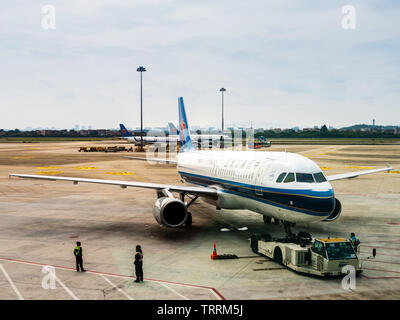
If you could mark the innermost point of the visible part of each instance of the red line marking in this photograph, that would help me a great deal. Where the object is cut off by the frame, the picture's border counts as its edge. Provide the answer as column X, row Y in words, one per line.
column 13, row 189
column 119, row 275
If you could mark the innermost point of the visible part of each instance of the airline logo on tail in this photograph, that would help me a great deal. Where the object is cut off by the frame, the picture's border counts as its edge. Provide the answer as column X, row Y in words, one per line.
column 172, row 129
column 124, row 131
column 185, row 140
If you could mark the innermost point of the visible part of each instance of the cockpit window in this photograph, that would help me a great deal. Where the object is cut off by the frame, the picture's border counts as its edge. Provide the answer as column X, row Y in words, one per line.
column 289, row 177
column 319, row 177
column 304, row 177
column 281, row 176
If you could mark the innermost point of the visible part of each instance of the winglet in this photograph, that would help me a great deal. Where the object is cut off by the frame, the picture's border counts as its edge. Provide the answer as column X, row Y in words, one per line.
column 389, row 167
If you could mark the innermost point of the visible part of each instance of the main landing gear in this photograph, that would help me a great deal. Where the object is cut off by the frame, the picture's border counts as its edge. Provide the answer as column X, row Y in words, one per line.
column 189, row 219
column 268, row 220
column 288, row 230
column 302, row 238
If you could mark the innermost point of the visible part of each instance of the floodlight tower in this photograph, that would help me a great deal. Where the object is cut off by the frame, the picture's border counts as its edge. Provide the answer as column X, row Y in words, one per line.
column 141, row 70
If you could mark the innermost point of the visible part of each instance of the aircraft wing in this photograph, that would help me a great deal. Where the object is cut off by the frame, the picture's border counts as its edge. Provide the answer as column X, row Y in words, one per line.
column 199, row 191
column 356, row 173
column 153, row 159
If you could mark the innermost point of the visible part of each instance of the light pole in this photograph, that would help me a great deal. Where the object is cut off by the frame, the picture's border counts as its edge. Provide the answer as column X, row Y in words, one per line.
column 141, row 70
column 222, row 91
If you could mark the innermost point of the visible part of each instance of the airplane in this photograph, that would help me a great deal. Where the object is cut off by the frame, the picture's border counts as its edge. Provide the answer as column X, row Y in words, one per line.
column 200, row 139
column 172, row 138
column 281, row 185
column 126, row 135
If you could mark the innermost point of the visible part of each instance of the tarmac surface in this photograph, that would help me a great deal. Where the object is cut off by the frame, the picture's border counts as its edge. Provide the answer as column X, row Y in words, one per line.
column 42, row 220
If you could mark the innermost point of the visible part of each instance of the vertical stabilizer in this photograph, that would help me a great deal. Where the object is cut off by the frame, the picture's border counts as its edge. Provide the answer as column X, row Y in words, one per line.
column 124, row 131
column 173, row 130
column 184, row 135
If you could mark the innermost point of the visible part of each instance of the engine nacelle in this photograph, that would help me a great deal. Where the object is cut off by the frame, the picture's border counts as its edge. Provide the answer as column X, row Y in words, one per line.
column 336, row 212
column 170, row 212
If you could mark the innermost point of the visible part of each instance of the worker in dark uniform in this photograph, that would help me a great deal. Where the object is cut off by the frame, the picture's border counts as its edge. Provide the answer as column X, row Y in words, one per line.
column 78, row 257
column 139, row 264
column 354, row 241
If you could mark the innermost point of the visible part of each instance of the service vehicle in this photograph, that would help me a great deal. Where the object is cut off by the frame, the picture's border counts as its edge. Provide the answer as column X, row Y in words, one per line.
column 321, row 256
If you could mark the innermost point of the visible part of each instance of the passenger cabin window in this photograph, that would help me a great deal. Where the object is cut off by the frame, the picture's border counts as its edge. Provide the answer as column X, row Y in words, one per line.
column 319, row 177
column 281, row 176
column 289, row 177
column 304, row 177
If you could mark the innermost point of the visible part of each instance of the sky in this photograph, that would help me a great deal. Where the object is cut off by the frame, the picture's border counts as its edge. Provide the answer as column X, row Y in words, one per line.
column 284, row 63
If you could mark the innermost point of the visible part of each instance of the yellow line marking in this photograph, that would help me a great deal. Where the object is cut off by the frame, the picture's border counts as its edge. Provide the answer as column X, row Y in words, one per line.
column 85, row 168
column 49, row 172
column 359, row 167
column 22, row 157
column 395, row 171
column 124, row 173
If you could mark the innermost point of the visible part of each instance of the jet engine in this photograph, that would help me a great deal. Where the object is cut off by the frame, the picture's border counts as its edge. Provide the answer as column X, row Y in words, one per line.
column 336, row 211
column 170, row 212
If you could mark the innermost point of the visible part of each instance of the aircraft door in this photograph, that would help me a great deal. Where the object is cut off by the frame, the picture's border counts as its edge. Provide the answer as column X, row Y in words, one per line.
column 260, row 170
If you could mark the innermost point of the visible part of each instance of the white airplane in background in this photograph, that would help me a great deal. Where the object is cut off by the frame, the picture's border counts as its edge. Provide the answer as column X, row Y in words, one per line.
column 281, row 185
column 199, row 139
column 126, row 135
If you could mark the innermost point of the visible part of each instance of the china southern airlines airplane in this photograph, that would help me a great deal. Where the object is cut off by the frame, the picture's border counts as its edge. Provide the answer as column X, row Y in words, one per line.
column 286, row 186
column 172, row 138
column 200, row 138
column 126, row 135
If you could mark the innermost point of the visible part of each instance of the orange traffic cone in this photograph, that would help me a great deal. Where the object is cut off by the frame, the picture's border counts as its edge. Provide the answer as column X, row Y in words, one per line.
column 214, row 254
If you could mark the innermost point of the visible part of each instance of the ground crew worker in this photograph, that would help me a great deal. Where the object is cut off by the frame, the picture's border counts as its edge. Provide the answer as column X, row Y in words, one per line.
column 78, row 257
column 139, row 264
column 354, row 241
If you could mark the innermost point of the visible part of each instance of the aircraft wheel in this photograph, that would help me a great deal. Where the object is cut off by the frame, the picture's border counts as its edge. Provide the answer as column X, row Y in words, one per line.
column 254, row 242
column 267, row 219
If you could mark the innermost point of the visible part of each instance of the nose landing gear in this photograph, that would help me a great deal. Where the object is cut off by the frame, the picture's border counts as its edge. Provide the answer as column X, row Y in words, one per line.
column 288, row 230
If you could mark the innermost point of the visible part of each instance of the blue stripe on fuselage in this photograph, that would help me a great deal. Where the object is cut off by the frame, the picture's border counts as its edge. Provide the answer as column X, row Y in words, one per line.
column 320, row 203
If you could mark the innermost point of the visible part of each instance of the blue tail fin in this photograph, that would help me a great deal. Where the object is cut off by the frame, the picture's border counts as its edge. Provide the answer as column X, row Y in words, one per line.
column 124, row 131
column 172, row 129
column 185, row 140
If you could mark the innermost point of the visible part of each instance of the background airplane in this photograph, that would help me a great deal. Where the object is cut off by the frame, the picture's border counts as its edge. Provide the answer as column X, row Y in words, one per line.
column 203, row 140
column 135, row 139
